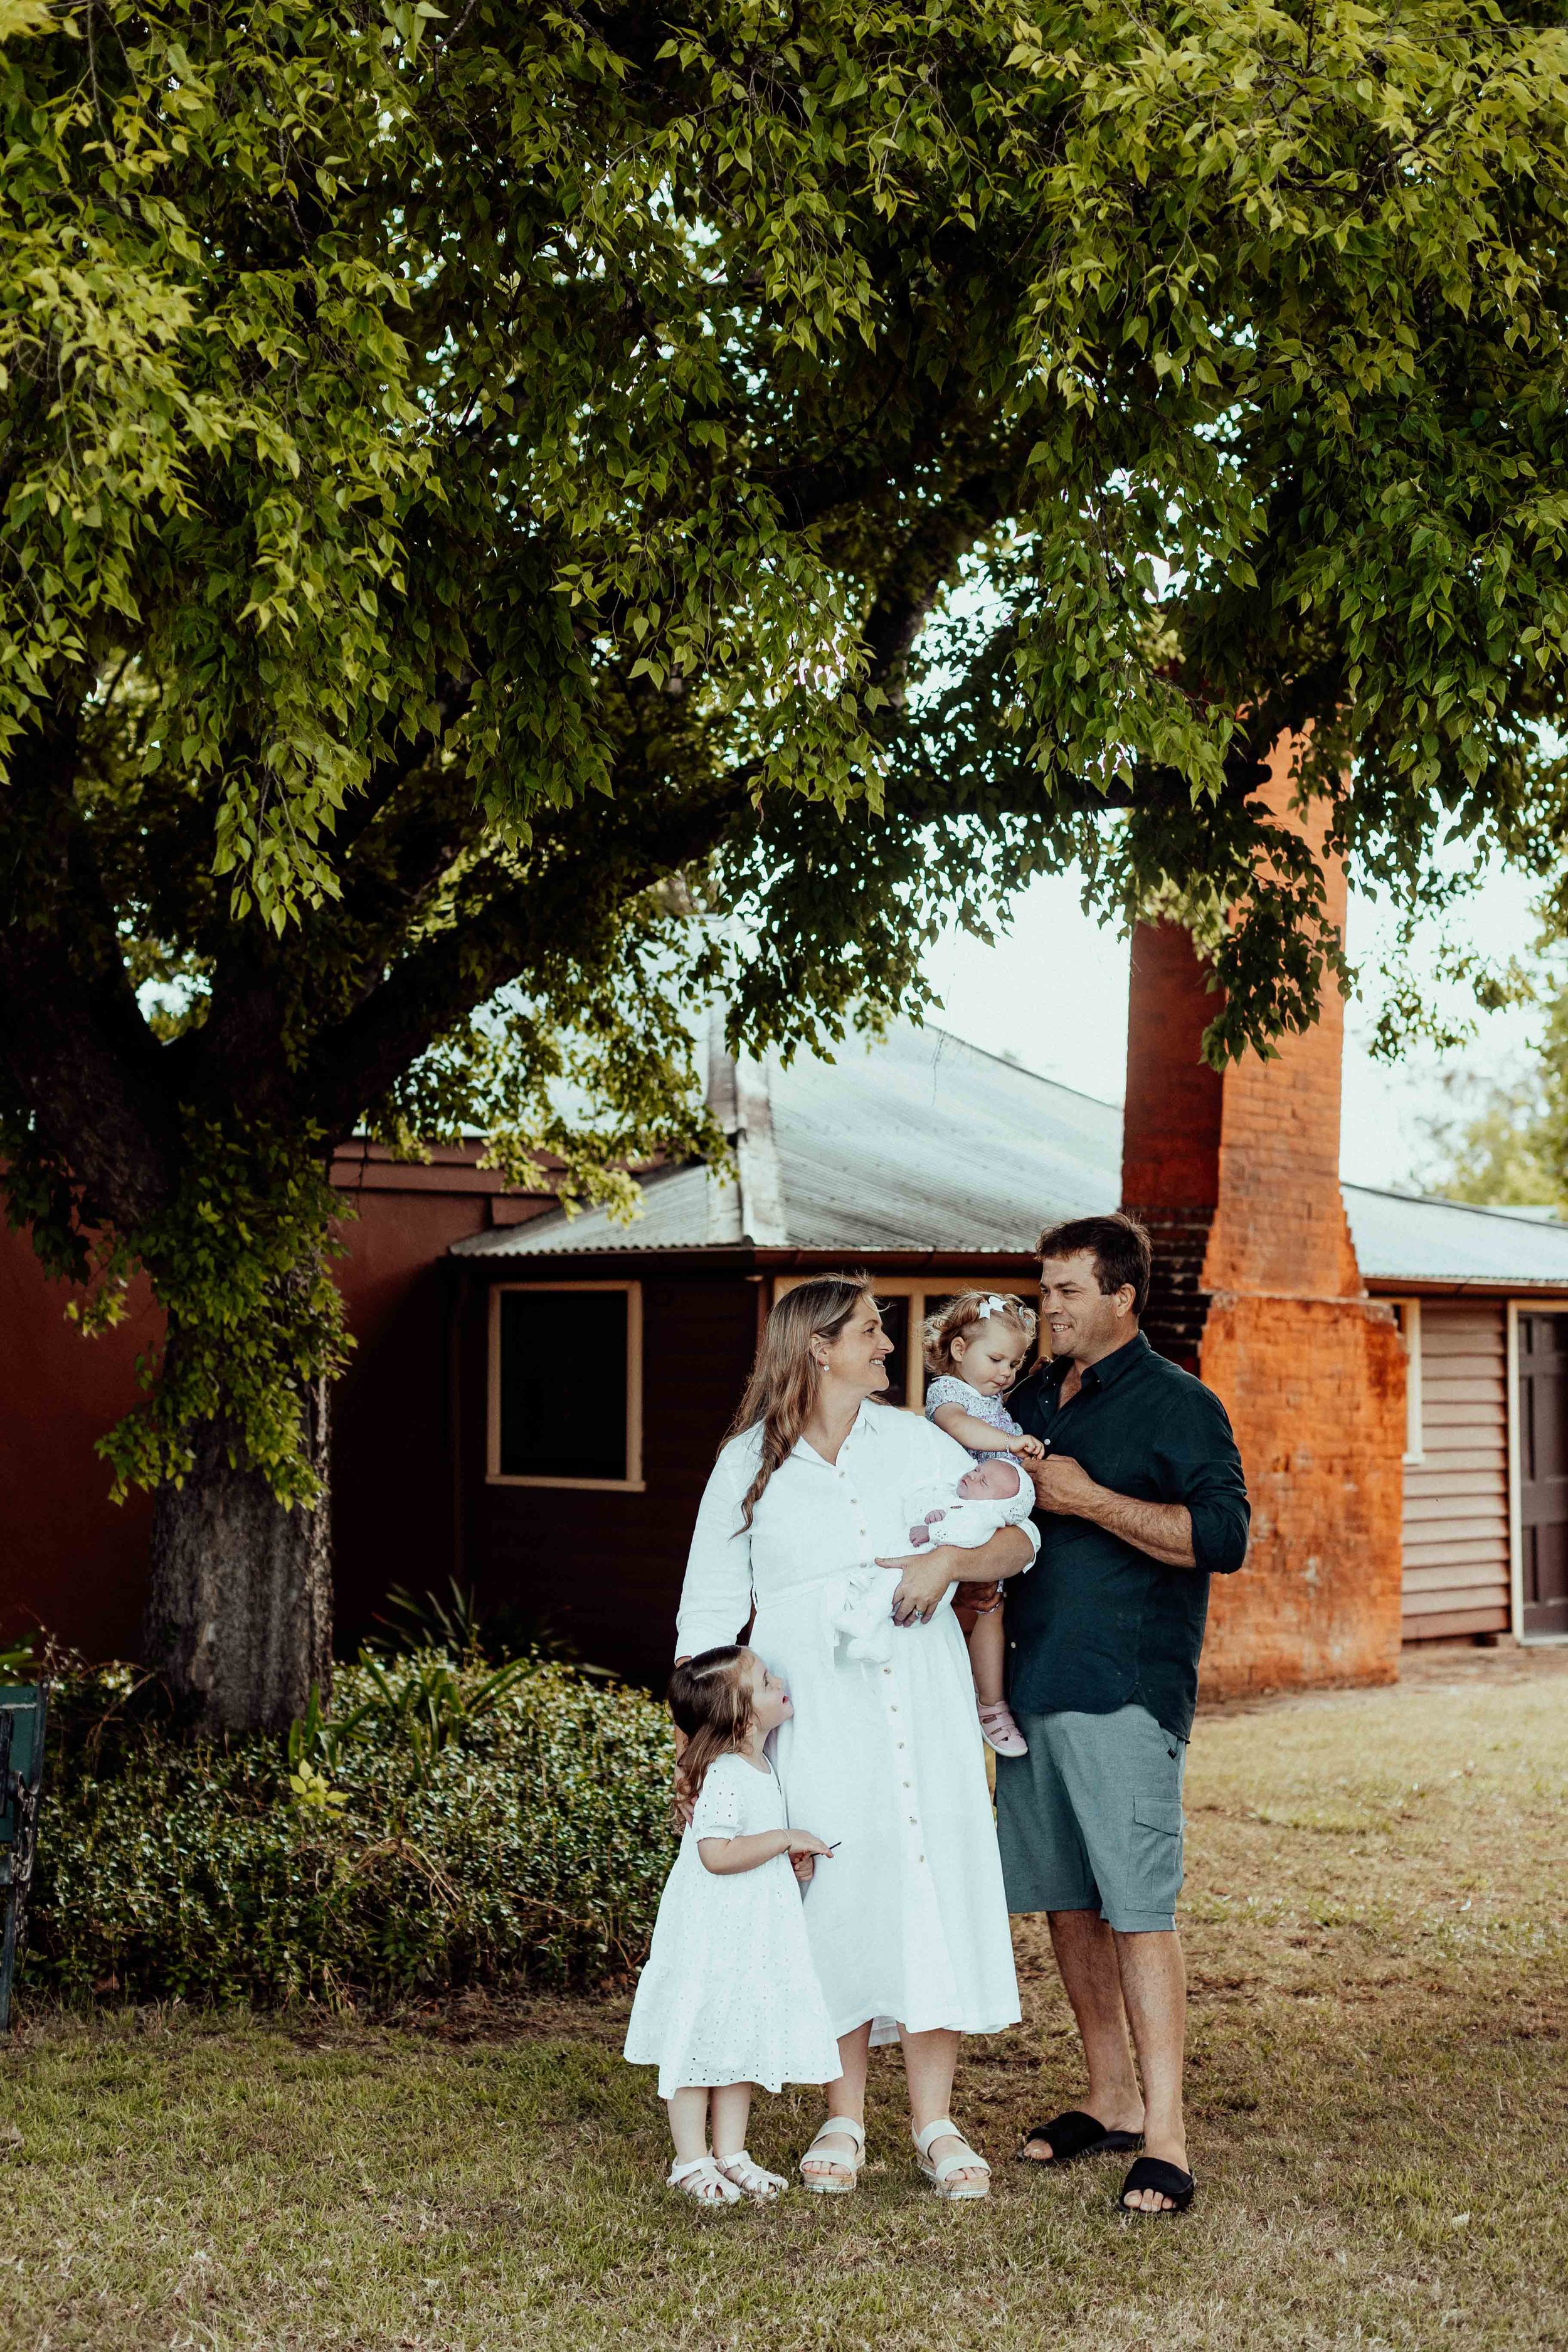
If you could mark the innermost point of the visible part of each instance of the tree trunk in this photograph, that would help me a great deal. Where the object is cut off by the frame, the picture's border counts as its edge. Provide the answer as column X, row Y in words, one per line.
column 239, row 1616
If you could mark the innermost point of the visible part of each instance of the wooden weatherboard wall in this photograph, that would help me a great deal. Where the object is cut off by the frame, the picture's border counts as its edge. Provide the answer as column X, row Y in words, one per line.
column 1456, row 1574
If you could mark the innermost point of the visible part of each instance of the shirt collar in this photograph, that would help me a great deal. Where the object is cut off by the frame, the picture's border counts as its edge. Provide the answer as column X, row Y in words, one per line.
column 1108, row 1372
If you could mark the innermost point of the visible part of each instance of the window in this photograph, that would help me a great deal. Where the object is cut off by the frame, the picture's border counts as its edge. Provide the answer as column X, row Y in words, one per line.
column 565, row 1387
column 1407, row 1314
column 906, row 1301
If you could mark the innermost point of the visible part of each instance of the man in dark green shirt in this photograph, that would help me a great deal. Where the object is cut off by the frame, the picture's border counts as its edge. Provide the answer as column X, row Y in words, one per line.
column 1141, row 1499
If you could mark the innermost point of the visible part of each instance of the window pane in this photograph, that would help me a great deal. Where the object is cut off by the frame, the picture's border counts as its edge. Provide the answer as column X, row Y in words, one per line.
column 896, row 1322
column 563, row 1383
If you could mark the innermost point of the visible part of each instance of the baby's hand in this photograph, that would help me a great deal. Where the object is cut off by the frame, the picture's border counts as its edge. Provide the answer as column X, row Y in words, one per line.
column 1029, row 1447
column 919, row 1534
column 801, row 1842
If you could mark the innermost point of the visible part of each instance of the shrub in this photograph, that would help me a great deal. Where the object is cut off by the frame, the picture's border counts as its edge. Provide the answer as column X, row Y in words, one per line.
column 454, row 1824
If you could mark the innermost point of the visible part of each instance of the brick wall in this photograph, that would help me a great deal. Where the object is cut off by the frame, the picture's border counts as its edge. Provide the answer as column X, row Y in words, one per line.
column 1257, row 1289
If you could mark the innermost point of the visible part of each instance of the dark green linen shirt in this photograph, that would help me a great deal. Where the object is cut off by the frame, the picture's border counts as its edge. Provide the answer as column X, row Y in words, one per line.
column 1096, row 1624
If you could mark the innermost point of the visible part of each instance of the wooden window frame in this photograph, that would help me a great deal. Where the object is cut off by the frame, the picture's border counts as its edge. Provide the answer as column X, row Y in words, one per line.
column 917, row 1289
column 633, row 1483
column 1517, row 1306
column 1414, row 1453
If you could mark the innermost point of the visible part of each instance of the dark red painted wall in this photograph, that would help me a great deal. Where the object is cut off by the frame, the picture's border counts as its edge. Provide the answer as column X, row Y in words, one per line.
column 69, row 1558
column 602, row 1572
column 74, row 1562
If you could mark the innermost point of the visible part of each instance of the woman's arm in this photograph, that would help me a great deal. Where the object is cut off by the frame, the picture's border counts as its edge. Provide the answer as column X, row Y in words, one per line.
column 716, row 1597
column 724, row 1855
column 926, row 1575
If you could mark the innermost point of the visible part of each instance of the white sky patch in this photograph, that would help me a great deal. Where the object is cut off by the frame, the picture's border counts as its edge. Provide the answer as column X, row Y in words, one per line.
column 1051, row 993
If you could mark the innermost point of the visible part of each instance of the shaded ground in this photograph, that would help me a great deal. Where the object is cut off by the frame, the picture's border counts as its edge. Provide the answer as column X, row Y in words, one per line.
column 1379, row 1967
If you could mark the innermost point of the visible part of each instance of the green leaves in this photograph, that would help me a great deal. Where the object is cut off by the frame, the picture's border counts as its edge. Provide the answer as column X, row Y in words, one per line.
column 530, row 1842
column 512, row 517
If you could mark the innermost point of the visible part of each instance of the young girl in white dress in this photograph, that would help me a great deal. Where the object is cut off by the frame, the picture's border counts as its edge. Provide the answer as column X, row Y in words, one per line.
column 976, row 1349
column 729, row 1999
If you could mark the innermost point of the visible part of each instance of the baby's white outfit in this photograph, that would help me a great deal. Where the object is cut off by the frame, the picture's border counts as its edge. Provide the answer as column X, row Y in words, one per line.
column 730, row 1993
column 948, row 1389
column 863, row 1612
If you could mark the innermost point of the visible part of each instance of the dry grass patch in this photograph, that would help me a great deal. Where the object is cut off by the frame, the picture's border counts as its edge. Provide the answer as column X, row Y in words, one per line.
column 1378, row 2100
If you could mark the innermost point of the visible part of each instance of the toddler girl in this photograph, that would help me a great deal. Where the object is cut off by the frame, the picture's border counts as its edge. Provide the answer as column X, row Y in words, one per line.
column 730, row 1998
column 975, row 1349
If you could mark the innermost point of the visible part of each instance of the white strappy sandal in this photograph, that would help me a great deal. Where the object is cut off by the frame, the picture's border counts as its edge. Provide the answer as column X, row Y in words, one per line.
column 702, row 2181
column 846, row 2127
column 750, row 2179
column 942, row 2172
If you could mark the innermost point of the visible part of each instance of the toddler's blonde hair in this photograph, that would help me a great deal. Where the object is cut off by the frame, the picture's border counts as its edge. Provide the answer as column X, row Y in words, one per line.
column 962, row 1316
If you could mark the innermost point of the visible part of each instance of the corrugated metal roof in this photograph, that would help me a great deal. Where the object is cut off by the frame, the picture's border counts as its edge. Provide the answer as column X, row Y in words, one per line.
column 923, row 1142
column 917, row 1142
column 1401, row 1239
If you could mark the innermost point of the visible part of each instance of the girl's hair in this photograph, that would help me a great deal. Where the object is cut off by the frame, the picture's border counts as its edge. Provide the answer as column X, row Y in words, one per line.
column 714, row 1706
column 962, row 1316
column 783, row 1386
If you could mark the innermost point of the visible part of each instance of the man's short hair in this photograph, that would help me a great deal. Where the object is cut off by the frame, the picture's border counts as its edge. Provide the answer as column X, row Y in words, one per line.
column 1122, row 1252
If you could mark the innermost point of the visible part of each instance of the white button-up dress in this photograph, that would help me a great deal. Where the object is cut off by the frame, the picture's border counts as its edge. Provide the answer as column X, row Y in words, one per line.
column 907, row 1922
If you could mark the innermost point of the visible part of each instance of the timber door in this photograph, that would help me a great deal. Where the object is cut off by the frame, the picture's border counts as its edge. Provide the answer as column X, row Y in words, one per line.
column 1544, row 1472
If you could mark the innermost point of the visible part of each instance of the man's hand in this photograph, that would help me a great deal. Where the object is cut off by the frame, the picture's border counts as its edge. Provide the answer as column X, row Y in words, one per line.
column 1065, row 1485
column 1164, row 1530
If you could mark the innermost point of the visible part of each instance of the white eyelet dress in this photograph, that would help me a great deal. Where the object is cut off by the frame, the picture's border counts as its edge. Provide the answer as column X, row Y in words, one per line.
column 730, row 1994
column 908, row 1922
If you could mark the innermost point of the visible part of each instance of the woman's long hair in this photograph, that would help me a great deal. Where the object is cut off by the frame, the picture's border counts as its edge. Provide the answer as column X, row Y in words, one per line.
column 783, row 1382
column 712, row 1707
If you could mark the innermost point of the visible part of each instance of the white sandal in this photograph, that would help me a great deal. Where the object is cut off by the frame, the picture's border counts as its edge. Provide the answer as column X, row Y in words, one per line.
column 942, row 2172
column 847, row 2128
column 702, row 2181
column 750, row 2179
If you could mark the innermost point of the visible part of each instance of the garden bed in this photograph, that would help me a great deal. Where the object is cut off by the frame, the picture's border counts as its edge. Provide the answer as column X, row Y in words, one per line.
column 454, row 1824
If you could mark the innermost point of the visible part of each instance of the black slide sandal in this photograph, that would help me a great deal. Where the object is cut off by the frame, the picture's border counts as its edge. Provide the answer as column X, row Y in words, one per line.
column 1073, row 2135
column 1166, row 2180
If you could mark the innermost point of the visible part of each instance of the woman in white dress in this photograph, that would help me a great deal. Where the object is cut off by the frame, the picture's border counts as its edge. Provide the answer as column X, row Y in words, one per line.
column 883, row 1760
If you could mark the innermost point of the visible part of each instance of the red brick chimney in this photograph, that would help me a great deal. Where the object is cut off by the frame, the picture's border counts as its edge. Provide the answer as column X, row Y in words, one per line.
column 1258, row 1291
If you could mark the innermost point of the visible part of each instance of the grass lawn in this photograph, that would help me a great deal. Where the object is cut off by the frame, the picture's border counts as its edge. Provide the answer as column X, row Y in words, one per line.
column 1378, row 2103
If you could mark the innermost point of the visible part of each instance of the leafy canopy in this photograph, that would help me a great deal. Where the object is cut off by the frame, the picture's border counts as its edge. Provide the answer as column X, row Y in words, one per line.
column 514, row 513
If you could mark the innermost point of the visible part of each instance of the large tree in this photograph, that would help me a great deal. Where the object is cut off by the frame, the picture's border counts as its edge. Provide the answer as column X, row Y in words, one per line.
column 485, row 489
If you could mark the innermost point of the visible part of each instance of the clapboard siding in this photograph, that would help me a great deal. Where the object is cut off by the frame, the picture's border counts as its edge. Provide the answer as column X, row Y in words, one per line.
column 1456, row 1498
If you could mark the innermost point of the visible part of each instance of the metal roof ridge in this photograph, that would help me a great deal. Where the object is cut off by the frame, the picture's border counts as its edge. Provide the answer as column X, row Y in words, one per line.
column 1100, row 1102
column 1441, row 1201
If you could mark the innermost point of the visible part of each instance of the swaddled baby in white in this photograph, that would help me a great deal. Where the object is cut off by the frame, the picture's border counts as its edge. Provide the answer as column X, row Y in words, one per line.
column 966, row 1511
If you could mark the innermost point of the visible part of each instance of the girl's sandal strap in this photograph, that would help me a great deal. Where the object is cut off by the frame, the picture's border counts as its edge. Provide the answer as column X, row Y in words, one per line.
column 701, row 2181
column 745, row 2173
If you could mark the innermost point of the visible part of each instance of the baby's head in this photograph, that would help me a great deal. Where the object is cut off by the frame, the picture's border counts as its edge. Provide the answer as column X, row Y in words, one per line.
column 984, row 1336
column 996, row 1481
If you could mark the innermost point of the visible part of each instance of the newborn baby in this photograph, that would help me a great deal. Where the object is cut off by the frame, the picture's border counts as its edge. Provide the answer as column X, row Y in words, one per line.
column 995, row 1494
column 967, row 1511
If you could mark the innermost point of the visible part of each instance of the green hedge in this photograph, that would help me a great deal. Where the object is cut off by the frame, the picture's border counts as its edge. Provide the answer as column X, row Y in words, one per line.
column 452, row 1825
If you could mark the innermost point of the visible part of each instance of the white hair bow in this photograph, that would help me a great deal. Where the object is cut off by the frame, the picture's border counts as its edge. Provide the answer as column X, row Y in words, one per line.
column 997, row 1304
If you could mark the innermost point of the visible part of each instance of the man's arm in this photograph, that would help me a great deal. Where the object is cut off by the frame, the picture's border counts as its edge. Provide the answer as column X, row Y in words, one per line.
column 927, row 1574
column 1164, row 1530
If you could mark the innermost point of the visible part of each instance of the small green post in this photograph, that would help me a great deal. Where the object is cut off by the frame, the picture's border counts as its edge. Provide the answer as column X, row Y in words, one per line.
column 24, row 1708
